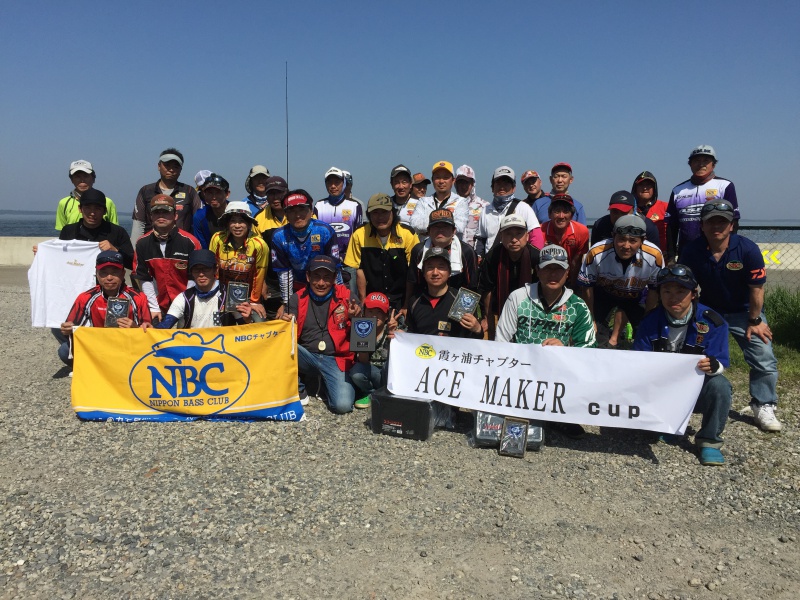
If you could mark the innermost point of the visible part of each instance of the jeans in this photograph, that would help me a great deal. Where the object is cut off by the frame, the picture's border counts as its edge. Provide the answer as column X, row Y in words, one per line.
column 63, row 348
column 714, row 403
column 760, row 357
column 341, row 394
column 366, row 378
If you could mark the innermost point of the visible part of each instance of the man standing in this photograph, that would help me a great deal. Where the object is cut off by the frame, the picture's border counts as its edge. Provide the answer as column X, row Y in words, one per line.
column 563, row 231
column 92, row 227
column 268, row 220
column 465, row 187
column 215, row 193
column 731, row 274
column 380, row 252
column 82, row 176
column 560, row 180
column 323, row 311
column 682, row 325
column 617, row 271
column 645, row 190
column 256, row 186
column 532, row 184
column 687, row 199
column 162, row 256
column 185, row 197
column 400, row 180
column 419, row 186
column 443, row 197
column 342, row 214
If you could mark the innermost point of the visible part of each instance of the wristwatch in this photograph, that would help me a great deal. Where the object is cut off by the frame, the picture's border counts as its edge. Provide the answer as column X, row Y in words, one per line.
column 755, row 321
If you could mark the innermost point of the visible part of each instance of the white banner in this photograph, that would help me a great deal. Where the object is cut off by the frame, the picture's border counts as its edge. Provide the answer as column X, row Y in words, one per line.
column 633, row 390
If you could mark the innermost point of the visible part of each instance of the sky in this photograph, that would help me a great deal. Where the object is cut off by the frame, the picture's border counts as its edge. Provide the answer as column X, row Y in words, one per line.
column 614, row 88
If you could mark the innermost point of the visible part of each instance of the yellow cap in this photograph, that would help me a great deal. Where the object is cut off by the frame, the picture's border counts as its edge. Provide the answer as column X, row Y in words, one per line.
column 443, row 164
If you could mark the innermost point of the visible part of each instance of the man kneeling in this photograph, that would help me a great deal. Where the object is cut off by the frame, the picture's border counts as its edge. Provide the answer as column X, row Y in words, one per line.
column 680, row 324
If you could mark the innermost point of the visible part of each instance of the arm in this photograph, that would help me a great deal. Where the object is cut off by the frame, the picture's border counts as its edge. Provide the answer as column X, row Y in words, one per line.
column 361, row 284
column 756, row 307
column 507, row 324
column 419, row 218
column 111, row 211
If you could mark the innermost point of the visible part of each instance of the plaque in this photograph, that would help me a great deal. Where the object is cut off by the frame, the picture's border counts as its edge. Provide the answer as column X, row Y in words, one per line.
column 116, row 309
column 237, row 293
column 514, row 437
column 465, row 303
column 363, row 334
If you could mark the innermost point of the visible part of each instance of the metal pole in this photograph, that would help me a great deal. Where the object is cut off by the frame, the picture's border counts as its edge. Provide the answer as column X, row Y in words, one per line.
column 286, row 99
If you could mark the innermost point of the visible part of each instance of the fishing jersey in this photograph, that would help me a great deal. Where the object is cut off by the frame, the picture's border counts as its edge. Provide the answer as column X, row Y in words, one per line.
column 574, row 239
column 656, row 212
column 404, row 211
column 187, row 203
column 344, row 217
column 290, row 253
column 686, row 202
column 247, row 264
column 168, row 268
column 526, row 320
column 475, row 206
column 68, row 211
column 603, row 268
column 425, row 206
column 89, row 309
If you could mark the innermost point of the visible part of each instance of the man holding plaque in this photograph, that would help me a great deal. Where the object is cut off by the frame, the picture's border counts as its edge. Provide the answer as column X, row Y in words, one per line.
column 323, row 311
column 110, row 303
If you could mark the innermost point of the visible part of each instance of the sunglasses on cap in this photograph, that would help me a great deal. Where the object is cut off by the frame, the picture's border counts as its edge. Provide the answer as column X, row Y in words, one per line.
column 716, row 205
column 679, row 272
column 553, row 254
column 630, row 230
column 161, row 209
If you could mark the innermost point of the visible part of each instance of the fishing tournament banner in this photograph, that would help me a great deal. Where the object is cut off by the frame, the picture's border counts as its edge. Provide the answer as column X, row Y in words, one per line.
column 229, row 373
column 632, row 390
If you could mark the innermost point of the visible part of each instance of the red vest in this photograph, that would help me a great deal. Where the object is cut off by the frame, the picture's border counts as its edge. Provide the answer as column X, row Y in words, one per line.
column 338, row 323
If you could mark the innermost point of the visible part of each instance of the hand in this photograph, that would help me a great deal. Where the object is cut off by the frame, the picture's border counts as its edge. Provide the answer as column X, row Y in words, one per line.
column 124, row 322
column 35, row 248
column 704, row 364
column 353, row 308
column 145, row 326
column 281, row 313
column 246, row 309
column 469, row 321
column 552, row 342
column 66, row 327
column 391, row 324
column 485, row 324
column 106, row 245
column 763, row 331
column 259, row 309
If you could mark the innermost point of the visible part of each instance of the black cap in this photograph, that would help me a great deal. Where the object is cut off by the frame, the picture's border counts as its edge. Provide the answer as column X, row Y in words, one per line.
column 92, row 196
column 322, row 261
column 217, row 181
column 277, row 183
column 622, row 200
column 202, row 257
column 717, row 208
column 400, row 169
column 436, row 252
column 109, row 258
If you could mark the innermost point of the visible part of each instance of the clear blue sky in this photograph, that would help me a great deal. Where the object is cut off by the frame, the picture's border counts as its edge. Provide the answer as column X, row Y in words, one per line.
column 613, row 88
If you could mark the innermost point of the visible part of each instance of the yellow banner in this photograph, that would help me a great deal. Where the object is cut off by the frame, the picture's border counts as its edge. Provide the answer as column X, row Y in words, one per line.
column 242, row 372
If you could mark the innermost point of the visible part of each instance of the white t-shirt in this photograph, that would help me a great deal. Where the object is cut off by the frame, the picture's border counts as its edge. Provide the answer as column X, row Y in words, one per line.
column 489, row 222
column 61, row 270
column 204, row 309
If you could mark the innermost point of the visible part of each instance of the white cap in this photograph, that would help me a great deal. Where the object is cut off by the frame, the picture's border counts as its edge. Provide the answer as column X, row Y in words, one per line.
column 334, row 172
column 201, row 177
column 465, row 171
column 504, row 172
column 512, row 220
column 80, row 165
column 169, row 156
column 704, row 150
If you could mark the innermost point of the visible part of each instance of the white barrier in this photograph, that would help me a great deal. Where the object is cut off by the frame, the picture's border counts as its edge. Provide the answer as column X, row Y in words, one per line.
column 18, row 251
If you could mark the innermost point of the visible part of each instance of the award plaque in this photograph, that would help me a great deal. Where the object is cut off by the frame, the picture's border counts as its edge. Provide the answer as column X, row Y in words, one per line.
column 237, row 293
column 514, row 437
column 116, row 309
column 466, row 302
column 363, row 334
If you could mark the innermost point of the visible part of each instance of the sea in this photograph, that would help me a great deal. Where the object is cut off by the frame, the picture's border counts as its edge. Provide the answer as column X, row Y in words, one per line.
column 37, row 223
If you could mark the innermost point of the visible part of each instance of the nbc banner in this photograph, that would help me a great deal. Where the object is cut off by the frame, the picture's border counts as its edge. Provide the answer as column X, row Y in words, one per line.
column 227, row 373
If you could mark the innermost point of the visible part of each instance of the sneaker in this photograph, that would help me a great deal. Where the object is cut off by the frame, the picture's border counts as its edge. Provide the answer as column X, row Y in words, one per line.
column 303, row 399
column 364, row 402
column 70, row 374
column 711, row 457
column 764, row 415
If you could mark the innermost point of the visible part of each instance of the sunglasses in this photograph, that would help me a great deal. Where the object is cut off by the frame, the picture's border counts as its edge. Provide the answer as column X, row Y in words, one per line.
column 717, row 206
column 630, row 231
column 676, row 271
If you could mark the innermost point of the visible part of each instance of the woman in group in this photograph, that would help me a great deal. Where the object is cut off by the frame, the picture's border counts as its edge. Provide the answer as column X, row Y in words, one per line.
column 242, row 254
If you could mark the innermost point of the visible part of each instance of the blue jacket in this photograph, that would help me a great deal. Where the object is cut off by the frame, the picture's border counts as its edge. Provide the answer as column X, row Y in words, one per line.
column 706, row 334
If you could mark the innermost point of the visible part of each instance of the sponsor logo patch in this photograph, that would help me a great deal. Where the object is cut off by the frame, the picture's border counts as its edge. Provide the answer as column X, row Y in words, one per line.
column 734, row 265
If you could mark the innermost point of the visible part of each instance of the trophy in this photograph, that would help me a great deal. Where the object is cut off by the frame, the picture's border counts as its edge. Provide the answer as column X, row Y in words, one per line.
column 465, row 303
column 116, row 309
column 237, row 293
column 363, row 334
column 514, row 437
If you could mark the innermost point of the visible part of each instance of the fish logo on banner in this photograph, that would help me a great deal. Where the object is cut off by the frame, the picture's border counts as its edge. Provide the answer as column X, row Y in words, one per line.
column 187, row 374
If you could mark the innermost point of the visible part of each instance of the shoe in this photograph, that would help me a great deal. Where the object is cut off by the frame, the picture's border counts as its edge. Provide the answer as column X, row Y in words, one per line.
column 303, row 399
column 669, row 438
column 364, row 402
column 70, row 374
column 571, row 430
column 764, row 415
column 711, row 457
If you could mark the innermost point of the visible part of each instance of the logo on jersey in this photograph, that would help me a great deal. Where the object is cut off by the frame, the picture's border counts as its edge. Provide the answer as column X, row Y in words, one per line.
column 734, row 265
column 444, row 326
column 181, row 264
column 711, row 194
column 702, row 327
column 315, row 238
column 340, row 228
column 346, row 214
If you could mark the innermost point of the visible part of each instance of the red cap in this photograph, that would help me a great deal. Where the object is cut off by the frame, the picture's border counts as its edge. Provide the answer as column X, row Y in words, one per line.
column 377, row 300
column 562, row 198
column 561, row 167
column 295, row 200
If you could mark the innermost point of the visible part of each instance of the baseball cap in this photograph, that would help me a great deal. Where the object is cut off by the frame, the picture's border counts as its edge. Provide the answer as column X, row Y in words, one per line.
column 400, row 169
column 256, row 170
column 92, row 196
column 704, row 150
column 168, row 156
column 277, row 183
column 622, row 201
column 717, row 208
column 562, row 166
column 680, row 274
column 504, row 172
column 436, row 252
column 322, row 261
column 217, row 181
column 553, row 254
column 442, row 164
column 109, row 258
column 202, row 257
column 162, row 201
column 80, row 165
column 334, row 172
column 237, row 207
column 441, row 215
column 528, row 175
column 562, row 198
column 630, row 225
column 512, row 220
column 465, row 171
column 296, row 200
column 643, row 176
column 200, row 177
column 420, row 178
column 377, row 300
column 379, row 202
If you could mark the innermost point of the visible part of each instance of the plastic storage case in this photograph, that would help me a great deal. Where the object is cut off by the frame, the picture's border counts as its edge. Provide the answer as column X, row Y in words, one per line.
column 403, row 417
column 488, row 426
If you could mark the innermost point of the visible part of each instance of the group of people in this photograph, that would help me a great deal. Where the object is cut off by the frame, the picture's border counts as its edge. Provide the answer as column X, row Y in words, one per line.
column 674, row 272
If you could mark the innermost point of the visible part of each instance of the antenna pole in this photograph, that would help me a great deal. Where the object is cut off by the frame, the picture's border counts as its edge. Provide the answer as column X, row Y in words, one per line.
column 286, row 100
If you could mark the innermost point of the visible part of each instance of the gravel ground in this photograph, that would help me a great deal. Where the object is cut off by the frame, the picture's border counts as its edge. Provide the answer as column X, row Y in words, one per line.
column 326, row 509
